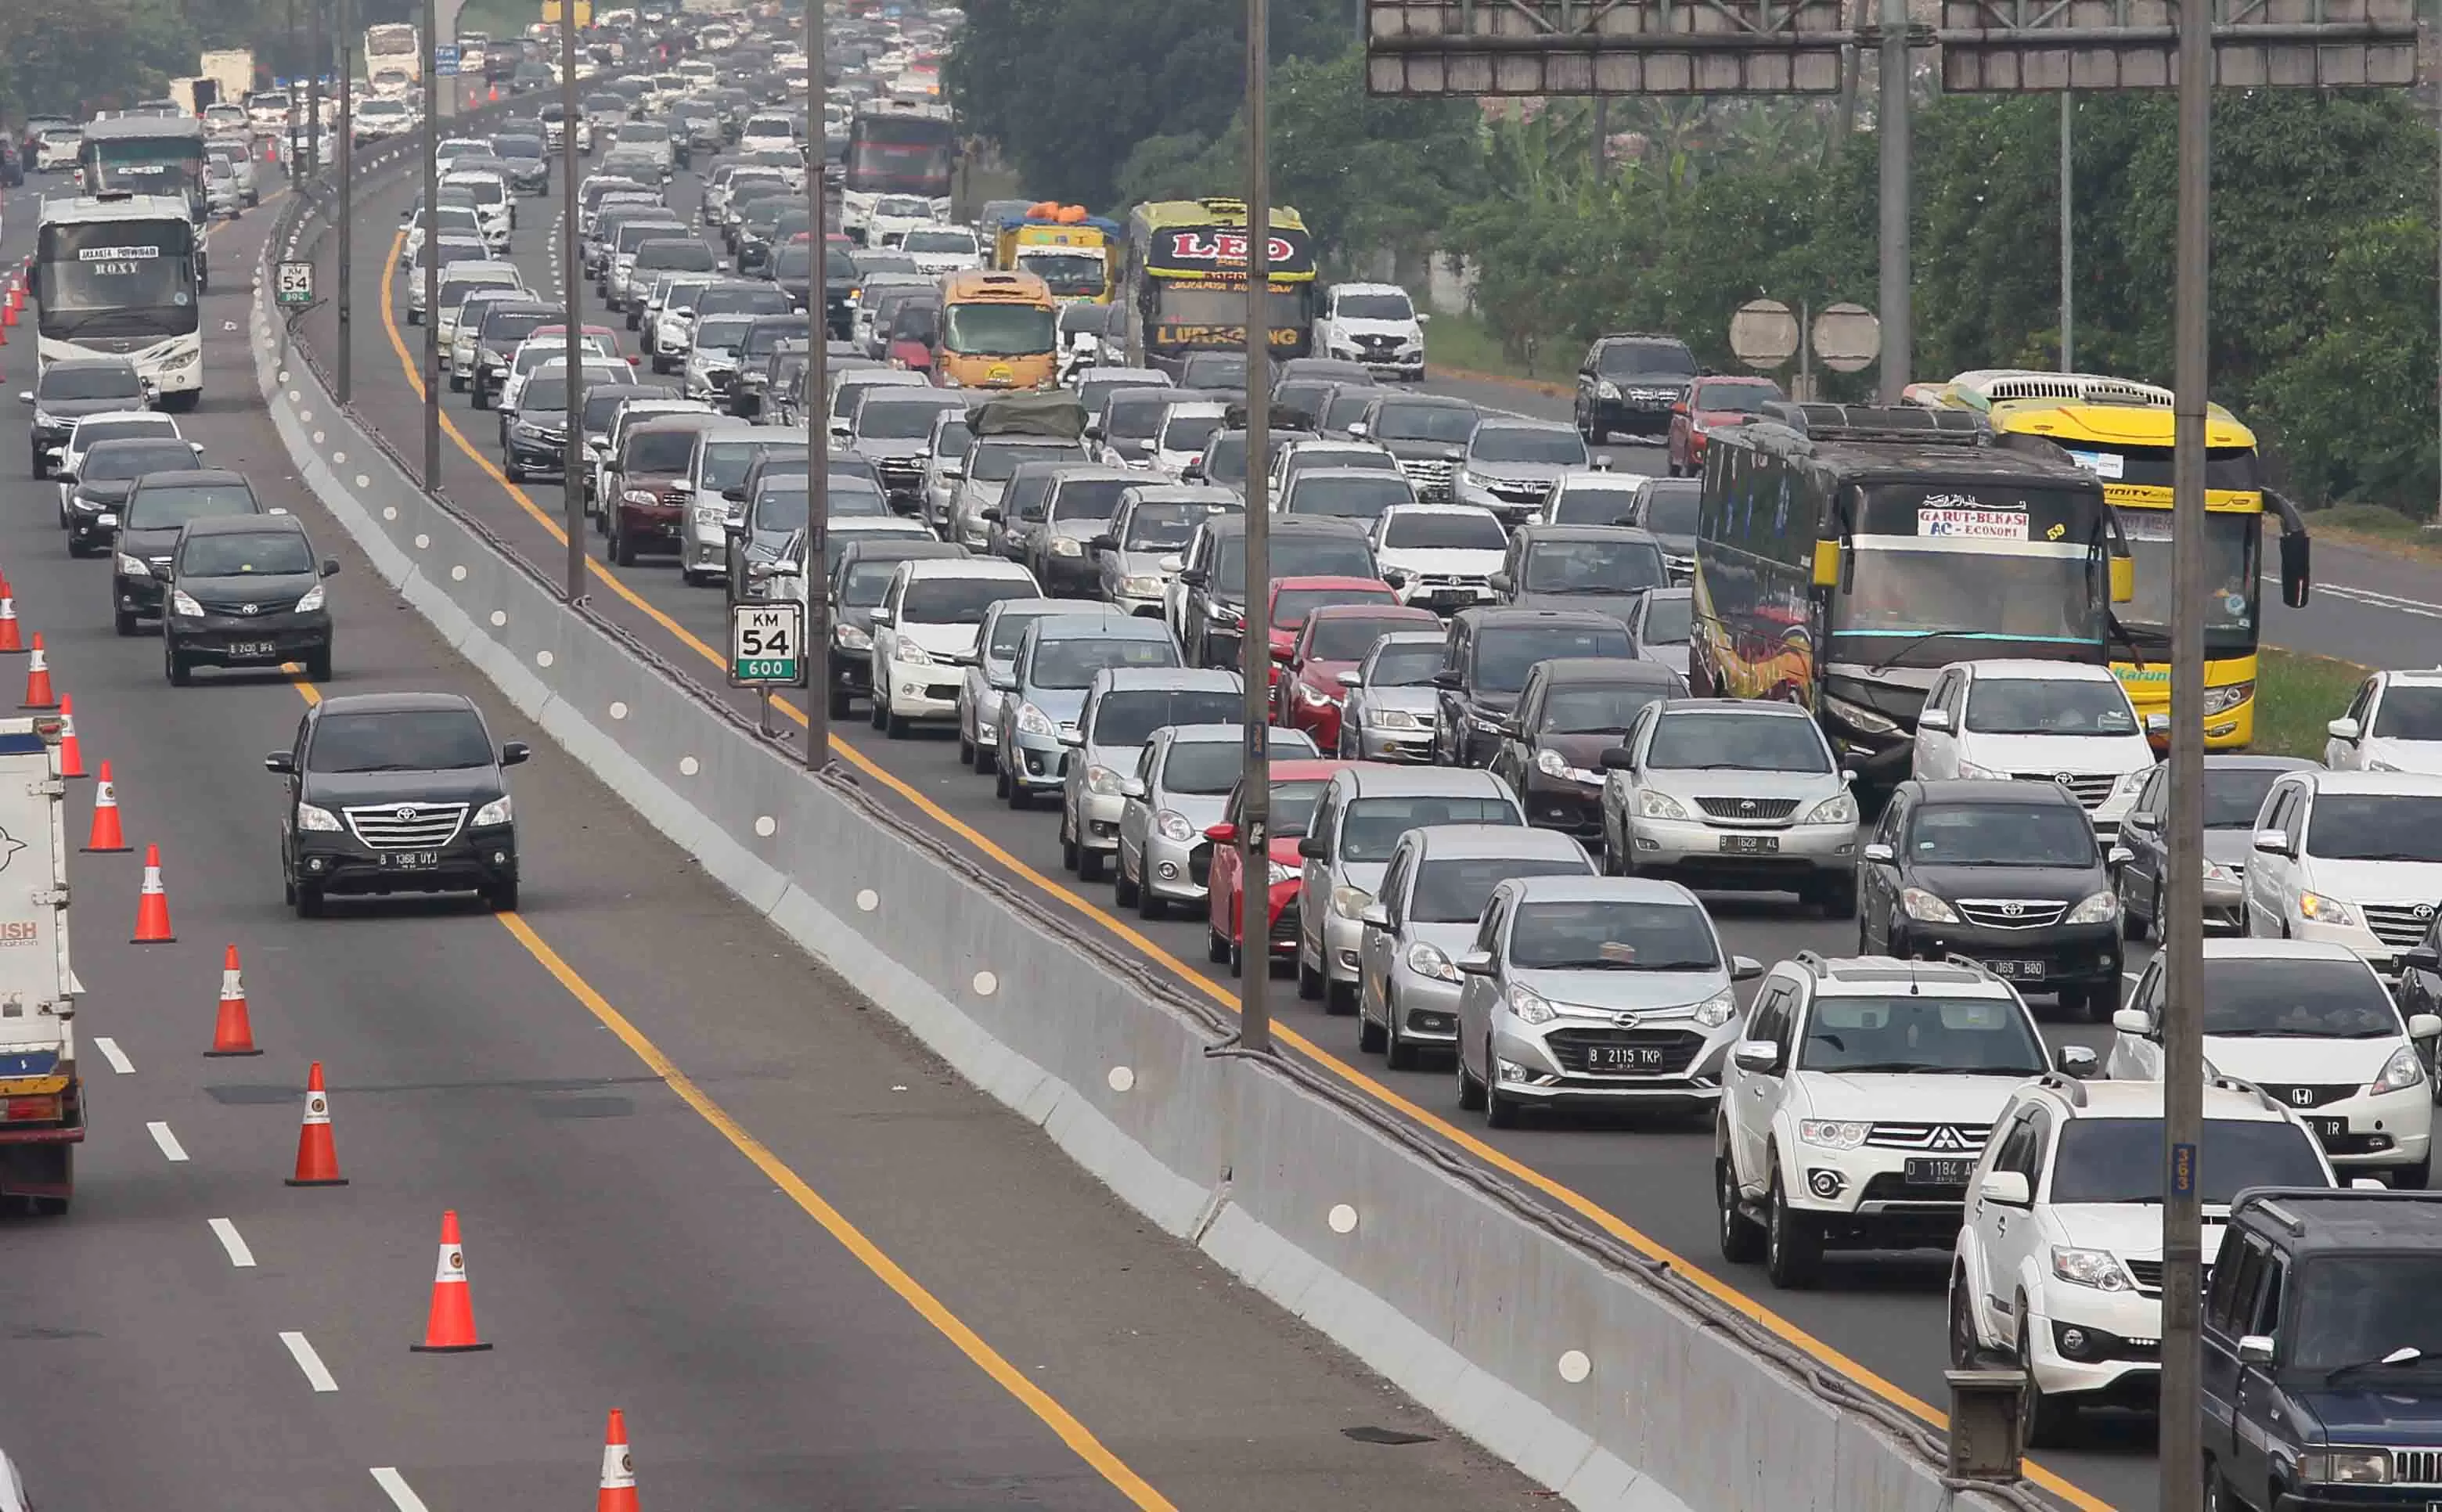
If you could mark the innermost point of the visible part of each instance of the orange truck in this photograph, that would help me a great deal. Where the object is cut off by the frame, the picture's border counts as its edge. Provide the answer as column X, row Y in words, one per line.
column 999, row 330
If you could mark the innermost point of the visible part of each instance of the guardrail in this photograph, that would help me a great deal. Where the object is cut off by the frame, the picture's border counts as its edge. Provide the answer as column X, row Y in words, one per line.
column 1602, row 1373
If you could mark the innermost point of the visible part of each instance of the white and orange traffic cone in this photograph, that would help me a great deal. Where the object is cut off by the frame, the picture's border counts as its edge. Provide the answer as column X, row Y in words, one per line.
column 618, row 1493
column 12, row 638
column 317, row 1159
column 153, row 907
column 71, row 752
column 451, row 1328
column 107, row 838
column 38, row 680
column 233, row 1031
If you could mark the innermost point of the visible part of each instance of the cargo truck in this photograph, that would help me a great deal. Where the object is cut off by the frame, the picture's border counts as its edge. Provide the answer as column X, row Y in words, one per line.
column 42, row 1098
column 1066, row 248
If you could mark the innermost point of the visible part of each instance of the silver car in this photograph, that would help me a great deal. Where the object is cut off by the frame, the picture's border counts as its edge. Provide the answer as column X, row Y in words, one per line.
column 1181, row 784
column 1124, row 705
column 992, row 670
column 1431, row 899
column 1732, row 793
column 1660, row 622
column 1511, row 464
column 945, row 464
column 989, row 463
column 1595, row 991
column 1153, row 527
column 1058, row 658
column 1392, row 704
column 1356, row 825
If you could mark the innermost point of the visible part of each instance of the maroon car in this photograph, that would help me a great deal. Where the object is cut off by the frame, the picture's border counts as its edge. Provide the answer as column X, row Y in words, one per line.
column 1711, row 405
column 642, row 513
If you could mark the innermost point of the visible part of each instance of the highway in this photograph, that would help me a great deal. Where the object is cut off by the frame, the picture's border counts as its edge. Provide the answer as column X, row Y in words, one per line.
column 699, row 1180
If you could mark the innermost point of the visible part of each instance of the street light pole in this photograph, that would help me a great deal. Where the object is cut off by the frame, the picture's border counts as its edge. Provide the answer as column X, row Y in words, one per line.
column 2067, row 225
column 1891, row 134
column 347, row 144
column 1255, row 648
column 571, row 269
column 433, row 87
column 818, row 424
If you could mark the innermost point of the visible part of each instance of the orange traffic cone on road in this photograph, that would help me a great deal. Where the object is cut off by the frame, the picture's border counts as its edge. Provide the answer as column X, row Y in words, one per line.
column 72, row 752
column 12, row 640
column 38, row 680
column 618, row 1493
column 318, row 1161
column 107, row 838
column 153, row 907
column 451, row 1330
column 233, row 1033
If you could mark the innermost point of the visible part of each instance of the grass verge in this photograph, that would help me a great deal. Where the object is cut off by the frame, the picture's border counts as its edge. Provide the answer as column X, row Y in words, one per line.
column 2296, row 694
column 2371, row 525
column 500, row 18
column 1462, row 341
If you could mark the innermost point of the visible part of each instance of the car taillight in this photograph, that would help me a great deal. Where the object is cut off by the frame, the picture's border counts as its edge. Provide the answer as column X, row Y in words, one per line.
column 28, row 1109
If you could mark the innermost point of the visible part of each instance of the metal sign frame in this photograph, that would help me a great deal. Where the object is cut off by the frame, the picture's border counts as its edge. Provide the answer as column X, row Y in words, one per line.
column 1527, row 48
column 2042, row 47
column 793, row 615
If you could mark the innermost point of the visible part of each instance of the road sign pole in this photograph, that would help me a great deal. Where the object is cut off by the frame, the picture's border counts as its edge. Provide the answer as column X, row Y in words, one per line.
column 1255, row 648
column 818, row 419
column 433, row 260
column 572, row 272
column 1891, row 132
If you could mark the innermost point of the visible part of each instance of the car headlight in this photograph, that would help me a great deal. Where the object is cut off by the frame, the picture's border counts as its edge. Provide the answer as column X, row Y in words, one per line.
column 2323, row 909
column 497, row 811
column 2215, row 872
column 1970, row 770
column 2223, row 700
column 1428, row 960
column 311, row 817
column 1606, row 389
column 913, row 654
column 2098, row 1268
column 1395, row 720
column 2402, row 1071
column 2099, row 909
column 1314, row 698
column 48, row 422
column 1859, row 718
column 710, row 514
column 1350, row 902
column 853, row 638
column 134, row 566
column 1101, row 781
column 183, row 361
column 1841, row 808
column 1926, row 906
column 1652, row 805
column 1715, row 1011
column 1283, row 872
column 2345, row 1468
column 641, row 497
column 181, row 602
column 2130, row 781
column 1551, row 763
column 1032, row 720
column 1833, row 1134
column 312, row 601
column 1221, row 614
column 1067, row 546
column 1141, row 586
column 1530, row 1005
column 1174, row 826
column 525, row 430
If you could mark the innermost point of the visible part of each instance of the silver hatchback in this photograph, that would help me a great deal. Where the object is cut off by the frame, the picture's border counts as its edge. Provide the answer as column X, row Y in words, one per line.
column 1391, row 705
column 1181, row 786
column 1124, row 705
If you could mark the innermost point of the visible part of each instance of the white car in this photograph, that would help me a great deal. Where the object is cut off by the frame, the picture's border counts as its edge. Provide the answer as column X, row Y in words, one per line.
column 2313, row 1026
column 894, row 216
column 1186, row 424
column 924, row 632
column 1592, row 496
column 535, row 352
column 1372, row 323
column 1854, row 1106
column 1439, row 555
column 768, row 132
column 2352, row 858
column 2394, row 724
column 2041, row 721
column 942, row 248
column 2058, row 1267
column 379, row 117
column 495, row 207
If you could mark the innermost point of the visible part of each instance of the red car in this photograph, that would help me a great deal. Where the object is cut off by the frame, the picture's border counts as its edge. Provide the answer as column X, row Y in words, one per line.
column 1297, row 787
column 1294, row 598
column 1335, row 638
column 1713, row 403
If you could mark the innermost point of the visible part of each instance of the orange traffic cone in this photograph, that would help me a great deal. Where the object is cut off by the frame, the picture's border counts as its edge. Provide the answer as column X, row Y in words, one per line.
column 38, row 680
column 106, row 839
column 153, row 907
column 233, row 1035
column 618, row 1493
column 451, row 1330
column 318, row 1160
column 12, row 641
column 72, row 752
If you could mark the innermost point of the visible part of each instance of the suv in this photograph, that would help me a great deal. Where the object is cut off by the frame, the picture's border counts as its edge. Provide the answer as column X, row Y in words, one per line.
column 69, row 389
column 1486, row 656
column 245, row 591
column 2059, row 1263
column 2350, row 857
column 1511, row 465
column 1375, row 324
column 1605, row 567
column 1732, row 793
column 1856, row 1102
column 1211, row 582
column 1631, row 383
column 925, row 629
column 396, row 792
column 157, row 508
column 2392, row 725
column 2037, row 721
column 1426, row 433
column 2006, row 872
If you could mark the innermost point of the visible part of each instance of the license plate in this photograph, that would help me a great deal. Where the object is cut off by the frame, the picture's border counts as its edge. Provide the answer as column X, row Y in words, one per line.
column 410, row 860
column 1938, row 1173
column 1623, row 1058
column 252, row 650
column 1750, row 845
column 2329, row 1128
column 2017, row 970
column 105, row 519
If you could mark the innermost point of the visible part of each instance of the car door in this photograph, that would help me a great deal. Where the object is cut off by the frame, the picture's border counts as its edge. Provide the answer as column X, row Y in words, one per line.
column 294, row 782
column 1512, row 755
column 1136, row 814
column 1314, row 884
column 886, row 625
column 1450, row 732
column 2255, row 1416
column 2143, row 833
column 2348, row 755
column 2139, row 1057
column 1477, row 996
column 1990, row 1268
column 1936, row 751
column 1753, row 1097
column 2015, row 1238
column 1220, row 859
column 1377, row 941
column 2284, row 878
column 2261, row 890
column 1618, row 795
column 1878, row 875
column 1072, row 770
column 2219, row 1331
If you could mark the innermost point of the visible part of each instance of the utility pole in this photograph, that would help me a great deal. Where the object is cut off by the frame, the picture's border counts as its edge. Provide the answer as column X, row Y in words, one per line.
column 2067, row 230
column 310, row 151
column 1255, row 649
column 347, row 298
column 818, row 418
column 571, row 266
column 1891, row 134
column 435, row 85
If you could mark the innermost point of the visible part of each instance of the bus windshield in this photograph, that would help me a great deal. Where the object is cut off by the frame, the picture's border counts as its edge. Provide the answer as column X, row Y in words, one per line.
column 2233, row 539
column 1898, row 591
column 117, row 278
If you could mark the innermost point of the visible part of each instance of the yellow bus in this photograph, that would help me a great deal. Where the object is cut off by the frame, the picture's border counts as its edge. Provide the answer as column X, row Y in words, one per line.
column 998, row 331
column 2120, row 430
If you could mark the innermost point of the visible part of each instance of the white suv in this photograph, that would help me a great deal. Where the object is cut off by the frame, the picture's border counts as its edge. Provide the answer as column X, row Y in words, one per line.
column 2040, row 721
column 2313, row 1026
column 2059, row 1264
column 1372, row 323
column 1855, row 1104
column 2394, row 724
column 2354, row 858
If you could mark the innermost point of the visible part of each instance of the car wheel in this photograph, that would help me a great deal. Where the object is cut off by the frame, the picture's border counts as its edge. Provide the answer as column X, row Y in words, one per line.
column 987, row 759
column 876, row 713
column 2133, row 925
column 2046, row 1419
column 1792, row 1248
column 966, row 749
column 513, row 470
column 1237, row 959
column 1126, row 890
column 1371, row 1037
column 836, row 703
column 1339, row 998
column 2217, row 1494
column 1500, row 1112
column 123, row 621
column 457, row 383
column 1216, row 949
column 2412, row 1178
column 2102, row 1000
column 1742, row 1237
column 1471, row 1091
column 41, row 464
column 309, row 900
column 1965, row 1352
column 179, row 671
column 1019, row 796
column 1310, row 982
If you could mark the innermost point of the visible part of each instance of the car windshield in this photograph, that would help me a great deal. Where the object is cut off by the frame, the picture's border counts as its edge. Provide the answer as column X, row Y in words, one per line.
column 953, row 439
column 1375, row 307
column 1670, row 506
column 1187, row 433
column 657, row 451
column 868, row 581
column 1364, row 498
column 399, row 740
column 2349, row 1309
column 2101, row 1159
column 2251, row 997
column 506, row 327
column 1132, row 417
column 1347, row 638
column 1333, row 557
column 1734, row 398
column 992, row 461
column 1130, row 716
column 2409, row 713
column 939, row 241
column 1668, row 620
column 1293, row 804
column 1292, row 605
column 157, row 508
column 957, row 600
column 91, row 433
column 1611, row 934
column 71, row 381
column 1734, row 740
column 1423, row 422
column 1089, row 500
column 1208, row 768
column 1600, row 709
column 684, row 256
column 235, row 556
column 786, row 507
column 1369, row 827
column 1642, row 359
column 721, row 332
column 725, row 462
column 2025, row 705
column 1416, row 531
column 900, row 419
column 1544, row 444
column 1591, row 503
column 1607, row 567
column 1454, row 891
column 1913, row 1033
column 1009, row 630
column 2374, row 827
column 1503, row 657
column 1160, row 526
column 1071, row 663
column 133, row 459
column 1023, row 499
column 2000, row 835
column 2234, row 795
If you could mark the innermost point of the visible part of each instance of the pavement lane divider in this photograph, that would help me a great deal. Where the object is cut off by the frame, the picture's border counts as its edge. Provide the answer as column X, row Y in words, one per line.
column 170, row 1149
column 117, row 1057
column 393, row 1484
column 301, row 1349
column 240, row 1254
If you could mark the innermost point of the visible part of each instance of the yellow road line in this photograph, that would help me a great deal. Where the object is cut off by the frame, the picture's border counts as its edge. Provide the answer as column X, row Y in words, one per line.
column 1567, row 1197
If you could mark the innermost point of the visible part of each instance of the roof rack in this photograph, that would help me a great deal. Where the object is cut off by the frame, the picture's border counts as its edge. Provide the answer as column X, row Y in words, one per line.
column 1968, row 963
column 1858, row 422
column 2263, row 1098
column 2071, row 1090
column 2277, row 1203
column 1813, row 961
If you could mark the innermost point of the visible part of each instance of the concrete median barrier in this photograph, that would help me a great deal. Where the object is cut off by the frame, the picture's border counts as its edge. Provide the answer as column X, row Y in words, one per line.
column 1610, row 1380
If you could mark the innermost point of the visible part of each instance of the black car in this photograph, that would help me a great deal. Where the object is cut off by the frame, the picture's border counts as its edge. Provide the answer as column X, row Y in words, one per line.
column 1214, row 613
column 1426, row 433
column 245, row 591
column 1597, row 567
column 71, row 388
column 2234, row 788
column 1213, row 370
column 1572, row 710
column 506, row 324
column 2006, row 873
column 534, row 436
column 1485, row 657
column 1629, row 382
column 90, row 507
column 857, row 583
column 159, row 508
column 528, row 159
column 393, row 792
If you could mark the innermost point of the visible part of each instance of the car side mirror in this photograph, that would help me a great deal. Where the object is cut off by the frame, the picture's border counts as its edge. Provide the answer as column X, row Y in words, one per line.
column 1072, row 738
column 1357, row 430
column 1446, row 678
column 1104, row 544
column 1475, row 963
column 197, row 447
column 2274, row 843
column 1374, row 917
column 2345, row 730
column 2256, row 1349
column 883, row 616
column 1170, row 563
column 2421, row 958
column 2119, row 855
column 1314, row 847
column 1093, row 433
column 1938, row 719
column 1745, row 968
column 1498, row 582
column 1130, row 788
column 1619, row 758
column 1877, row 852
column 513, row 753
column 2007, row 1189
column 2132, row 1021
column 1224, row 833
column 2424, row 1026
column 2141, row 819
column 330, row 567
column 1148, row 446
column 1192, row 577
column 2075, row 1061
column 681, row 487
column 24, row 396
column 284, row 762
column 1763, row 1057
column 992, row 517
column 1393, row 579
column 1351, row 680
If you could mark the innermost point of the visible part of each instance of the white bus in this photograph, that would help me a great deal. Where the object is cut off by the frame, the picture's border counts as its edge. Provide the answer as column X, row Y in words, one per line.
column 395, row 45
column 116, row 275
